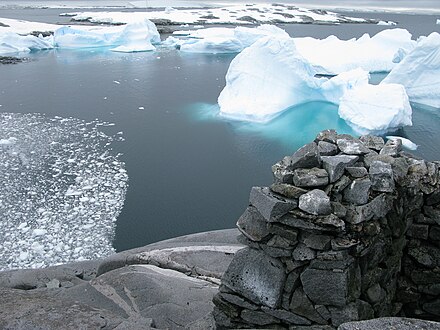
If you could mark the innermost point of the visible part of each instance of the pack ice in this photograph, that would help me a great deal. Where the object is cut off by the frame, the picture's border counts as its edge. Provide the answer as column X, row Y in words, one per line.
column 134, row 37
column 11, row 42
column 62, row 190
column 271, row 75
column 419, row 72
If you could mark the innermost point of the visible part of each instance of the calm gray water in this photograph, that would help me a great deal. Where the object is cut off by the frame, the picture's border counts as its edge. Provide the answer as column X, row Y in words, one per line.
column 189, row 171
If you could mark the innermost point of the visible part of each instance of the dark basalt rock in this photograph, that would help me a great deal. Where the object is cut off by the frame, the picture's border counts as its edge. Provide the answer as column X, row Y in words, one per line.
column 366, row 244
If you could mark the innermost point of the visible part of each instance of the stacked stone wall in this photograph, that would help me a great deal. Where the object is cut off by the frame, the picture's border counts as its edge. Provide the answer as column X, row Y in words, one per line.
column 349, row 230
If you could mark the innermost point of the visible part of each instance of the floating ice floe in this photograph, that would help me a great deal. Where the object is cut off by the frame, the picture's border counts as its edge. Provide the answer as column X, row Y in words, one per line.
column 373, row 54
column 419, row 72
column 238, row 14
column 62, row 189
column 437, row 22
column 271, row 76
column 11, row 42
column 407, row 143
column 134, row 37
column 376, row 108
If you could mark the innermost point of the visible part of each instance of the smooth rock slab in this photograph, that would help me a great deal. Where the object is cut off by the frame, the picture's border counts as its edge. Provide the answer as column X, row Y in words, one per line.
column 313, row 177
column 315, row 202
column 335, row 165
column 270, row 206
column 257, row 277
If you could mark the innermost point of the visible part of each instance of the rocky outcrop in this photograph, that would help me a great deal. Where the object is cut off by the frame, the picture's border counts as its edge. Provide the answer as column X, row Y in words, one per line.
column 348, row 231
column 166, row 285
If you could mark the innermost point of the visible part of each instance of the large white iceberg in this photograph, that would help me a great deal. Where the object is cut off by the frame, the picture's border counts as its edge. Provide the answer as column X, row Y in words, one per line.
column 271, row 76
column 223, row 40
column 419, row 72
column 373, row 54
column 376, row 108
column 134, row 37
column 14, row 43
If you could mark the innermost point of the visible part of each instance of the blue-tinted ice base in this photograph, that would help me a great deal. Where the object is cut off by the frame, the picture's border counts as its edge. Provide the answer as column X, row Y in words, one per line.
column 62, row 189
column 291, row 129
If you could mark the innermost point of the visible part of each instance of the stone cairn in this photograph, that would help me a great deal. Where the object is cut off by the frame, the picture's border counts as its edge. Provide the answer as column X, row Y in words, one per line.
column 349, row 230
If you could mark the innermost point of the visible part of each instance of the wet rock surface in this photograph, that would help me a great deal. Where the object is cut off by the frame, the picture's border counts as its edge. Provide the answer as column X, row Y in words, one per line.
column 366, row 242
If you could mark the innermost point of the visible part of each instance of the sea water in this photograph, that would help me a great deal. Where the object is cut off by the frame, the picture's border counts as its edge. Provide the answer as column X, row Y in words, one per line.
column 189, row 169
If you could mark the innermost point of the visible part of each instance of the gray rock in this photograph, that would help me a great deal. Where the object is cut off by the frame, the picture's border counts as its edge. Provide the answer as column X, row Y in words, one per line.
column 375, row 293
column 327, row 287
column 317, row 242
column 341, row 184
column 419, row 231
column 313, row 177
column 239, row 301
column 390, row 323
column 258, row 318
column 357, row 172
column 327, row 148
column 335, row 165
column 270, row 205
column 392, row 148
column 358, row 214
column 433, row 307
column 372, row 142
column 287, row 190
column 339, row 210
column 286, row 316
column 303, row 253
column 279, row 242
column 323, row 312
column 328, row 135
column 257, row 277
column 288, row 233
column 371, row 157
column 359, row 310
column 381, row 176
column 331, row 223
column 352, row 146
column 276, row 252
column 358, row 191
column 305, row 224
column 315, row 202
column 281, row 173
column 305, row 157
column 253, row 225
column 53, row 284
column 300, row 304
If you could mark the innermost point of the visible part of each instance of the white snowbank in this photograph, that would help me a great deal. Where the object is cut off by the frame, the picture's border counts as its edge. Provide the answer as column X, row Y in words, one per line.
column 237, row 14
column 419, row 72
column 271, row 76
column 25, row 27
column 138, row 36
column 376, row 108
column 386, row 23
column 14, row 43
column 373, row 54
column 407, row 143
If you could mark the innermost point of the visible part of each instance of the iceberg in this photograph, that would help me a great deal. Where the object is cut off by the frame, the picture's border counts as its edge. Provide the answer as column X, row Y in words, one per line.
column 223, row 40
column 419, row 72
column 134, row 37
column 376, row 108
column 271, row 75
column 11, row 42
column 373, row 54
